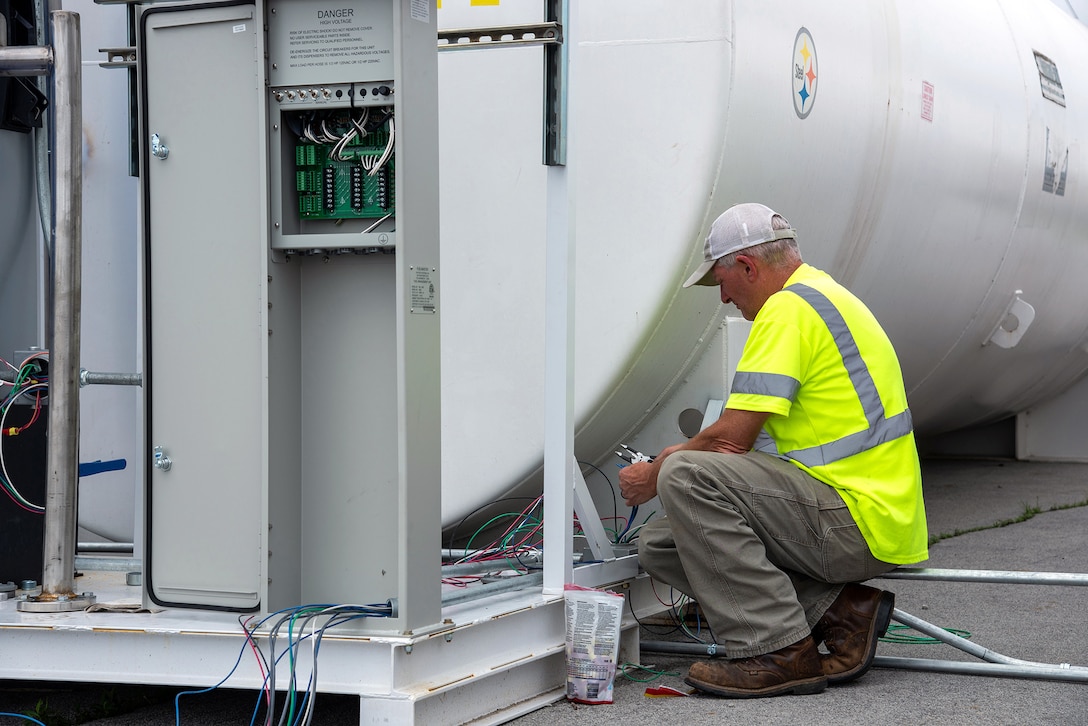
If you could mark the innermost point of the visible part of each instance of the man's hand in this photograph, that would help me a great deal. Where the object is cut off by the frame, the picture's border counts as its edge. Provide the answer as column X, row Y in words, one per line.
column 638, row 483
column 733, row 433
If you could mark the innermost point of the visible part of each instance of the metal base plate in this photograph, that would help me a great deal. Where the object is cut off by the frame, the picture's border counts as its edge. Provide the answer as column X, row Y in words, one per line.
column 72, row 604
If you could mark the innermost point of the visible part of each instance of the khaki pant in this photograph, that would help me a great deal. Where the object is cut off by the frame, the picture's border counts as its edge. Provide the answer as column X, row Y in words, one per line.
column 761, row 545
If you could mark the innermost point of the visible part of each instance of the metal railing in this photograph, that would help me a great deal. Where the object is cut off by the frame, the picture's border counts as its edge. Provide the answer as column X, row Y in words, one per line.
column 63, row 63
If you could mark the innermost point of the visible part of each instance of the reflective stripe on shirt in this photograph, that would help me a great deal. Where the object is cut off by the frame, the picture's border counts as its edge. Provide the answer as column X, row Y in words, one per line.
column 881, row 429
column 765, row 384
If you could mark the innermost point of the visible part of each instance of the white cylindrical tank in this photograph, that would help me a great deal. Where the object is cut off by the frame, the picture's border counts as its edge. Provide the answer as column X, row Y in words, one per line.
column 930, row 155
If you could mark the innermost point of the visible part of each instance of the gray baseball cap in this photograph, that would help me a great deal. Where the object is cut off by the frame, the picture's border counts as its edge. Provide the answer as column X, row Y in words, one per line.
column 738, row 228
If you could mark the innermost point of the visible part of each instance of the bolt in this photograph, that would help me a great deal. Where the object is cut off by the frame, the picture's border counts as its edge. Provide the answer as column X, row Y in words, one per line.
column 408, row 648
column 449, row 637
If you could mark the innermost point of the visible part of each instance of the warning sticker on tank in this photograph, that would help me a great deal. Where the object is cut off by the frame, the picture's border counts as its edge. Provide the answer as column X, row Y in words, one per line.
column 927, row 101
column 1056, row 165
column 1049, row 80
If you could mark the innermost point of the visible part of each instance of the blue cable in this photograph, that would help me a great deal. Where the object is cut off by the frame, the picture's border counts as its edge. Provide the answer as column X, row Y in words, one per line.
column 19, row 715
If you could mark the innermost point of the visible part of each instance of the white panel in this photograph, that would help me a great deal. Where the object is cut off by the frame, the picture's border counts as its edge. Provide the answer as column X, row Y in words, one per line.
column 1054, row 430
column 207, row 329
column 110, row 415
column 349, row 436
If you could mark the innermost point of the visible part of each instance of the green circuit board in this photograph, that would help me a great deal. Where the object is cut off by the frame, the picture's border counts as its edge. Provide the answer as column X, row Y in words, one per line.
column 343, row 188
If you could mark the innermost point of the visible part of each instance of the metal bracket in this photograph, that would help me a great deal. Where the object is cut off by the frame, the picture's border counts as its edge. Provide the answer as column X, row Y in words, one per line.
column 549, row 35
column 556, row 84
column 501, row 36
column 599, row 544
column 124, row 57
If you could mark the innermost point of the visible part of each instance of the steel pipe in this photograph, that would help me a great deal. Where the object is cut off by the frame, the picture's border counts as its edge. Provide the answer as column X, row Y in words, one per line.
column 112, row 547
column 471, row 568
column 62, row 454
column 996, row 664
column 508, row 584
column 938, row 633
column 703, row 650
column 25, row 60
column 1005, row 577
column 1051, row 673
column 87, row 378
column 97, row 563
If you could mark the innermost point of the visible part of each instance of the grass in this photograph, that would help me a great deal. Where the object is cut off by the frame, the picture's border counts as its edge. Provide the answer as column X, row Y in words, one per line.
column 1029, row 512
column 56, row 704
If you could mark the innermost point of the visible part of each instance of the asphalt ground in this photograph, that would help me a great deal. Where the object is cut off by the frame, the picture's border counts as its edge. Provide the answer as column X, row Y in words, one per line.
column 994, row 515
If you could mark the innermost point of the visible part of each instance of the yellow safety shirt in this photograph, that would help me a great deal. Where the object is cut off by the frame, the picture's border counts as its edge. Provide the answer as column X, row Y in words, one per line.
column 821, row 365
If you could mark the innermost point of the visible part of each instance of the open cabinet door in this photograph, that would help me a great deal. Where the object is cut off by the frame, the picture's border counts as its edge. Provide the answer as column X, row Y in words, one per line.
column 204, row 224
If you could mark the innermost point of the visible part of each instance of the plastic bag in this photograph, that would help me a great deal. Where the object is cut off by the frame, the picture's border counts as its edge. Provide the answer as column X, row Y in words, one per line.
column 593, row 643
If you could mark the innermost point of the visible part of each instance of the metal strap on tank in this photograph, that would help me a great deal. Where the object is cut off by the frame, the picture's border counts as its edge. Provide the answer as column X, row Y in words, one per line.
column 881, row 429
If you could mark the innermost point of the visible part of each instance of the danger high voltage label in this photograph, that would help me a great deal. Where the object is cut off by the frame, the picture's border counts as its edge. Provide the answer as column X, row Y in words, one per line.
column 307, row 34
column 336, row 41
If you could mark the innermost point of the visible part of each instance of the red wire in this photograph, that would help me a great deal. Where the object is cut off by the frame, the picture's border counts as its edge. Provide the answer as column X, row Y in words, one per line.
column 260, row 664
column 495, row 543
column 666, row 604
column 20, row 504
column 37, row 411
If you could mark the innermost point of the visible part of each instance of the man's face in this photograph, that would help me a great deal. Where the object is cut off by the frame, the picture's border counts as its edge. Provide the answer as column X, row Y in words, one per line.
column 736, row 288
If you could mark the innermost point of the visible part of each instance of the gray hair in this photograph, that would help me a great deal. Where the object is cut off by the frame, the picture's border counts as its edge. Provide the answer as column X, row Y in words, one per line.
column 778, row 253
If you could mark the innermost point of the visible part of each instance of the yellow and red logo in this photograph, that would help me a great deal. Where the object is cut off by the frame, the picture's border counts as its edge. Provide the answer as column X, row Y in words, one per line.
column 804, row 73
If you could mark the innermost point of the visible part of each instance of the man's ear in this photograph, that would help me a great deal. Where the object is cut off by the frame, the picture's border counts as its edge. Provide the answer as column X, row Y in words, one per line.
column 751, row 270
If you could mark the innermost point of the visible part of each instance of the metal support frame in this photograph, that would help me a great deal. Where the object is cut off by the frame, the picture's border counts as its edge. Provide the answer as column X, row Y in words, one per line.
column 996, row 664
column 62, row 454
column 599, row 545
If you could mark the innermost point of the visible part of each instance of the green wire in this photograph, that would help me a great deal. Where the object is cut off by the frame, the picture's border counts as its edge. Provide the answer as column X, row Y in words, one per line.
column 654, row 675
column 896, row 635
column 468, row 545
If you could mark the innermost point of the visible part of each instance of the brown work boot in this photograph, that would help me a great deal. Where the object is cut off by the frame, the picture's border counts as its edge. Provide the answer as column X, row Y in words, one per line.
column 793, row 669
column 850, row 630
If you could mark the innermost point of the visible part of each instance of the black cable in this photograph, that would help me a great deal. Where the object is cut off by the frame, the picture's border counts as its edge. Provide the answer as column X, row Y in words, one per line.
column 615, row 508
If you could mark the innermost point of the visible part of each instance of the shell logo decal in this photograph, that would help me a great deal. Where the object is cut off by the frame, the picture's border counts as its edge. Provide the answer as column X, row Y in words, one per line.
column 804, row 73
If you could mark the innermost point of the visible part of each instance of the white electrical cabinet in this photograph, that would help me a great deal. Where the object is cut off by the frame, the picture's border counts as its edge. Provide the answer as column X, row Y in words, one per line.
column 206, row 286
column 289, row 167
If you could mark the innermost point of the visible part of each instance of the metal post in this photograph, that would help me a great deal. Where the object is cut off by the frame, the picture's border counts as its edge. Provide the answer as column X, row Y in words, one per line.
column 559, row 460
column 62, row 455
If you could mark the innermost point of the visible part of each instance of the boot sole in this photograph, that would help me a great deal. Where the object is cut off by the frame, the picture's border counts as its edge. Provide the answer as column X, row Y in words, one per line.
column 805, row 687
column 877, row 630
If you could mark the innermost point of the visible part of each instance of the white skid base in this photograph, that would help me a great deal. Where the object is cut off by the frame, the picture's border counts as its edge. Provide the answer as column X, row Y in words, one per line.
column 494, row 660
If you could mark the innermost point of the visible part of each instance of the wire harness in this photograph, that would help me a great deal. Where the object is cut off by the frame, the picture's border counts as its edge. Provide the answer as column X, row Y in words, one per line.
column 30, row 382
